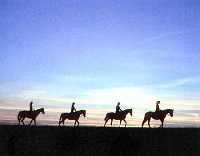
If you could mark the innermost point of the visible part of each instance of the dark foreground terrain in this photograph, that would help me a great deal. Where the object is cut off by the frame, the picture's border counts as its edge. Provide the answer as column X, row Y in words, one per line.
column 97, row 141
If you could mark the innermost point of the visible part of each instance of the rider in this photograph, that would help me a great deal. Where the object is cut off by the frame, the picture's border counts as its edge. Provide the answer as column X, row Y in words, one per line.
column 118, row 109
column 73, row 109
column 157, row 106
column 31, row 107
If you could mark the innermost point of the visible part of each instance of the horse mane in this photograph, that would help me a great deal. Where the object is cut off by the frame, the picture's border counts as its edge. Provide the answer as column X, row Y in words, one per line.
column 39, row 109
column 127, row 109
column 167, row 110
column 81, row 110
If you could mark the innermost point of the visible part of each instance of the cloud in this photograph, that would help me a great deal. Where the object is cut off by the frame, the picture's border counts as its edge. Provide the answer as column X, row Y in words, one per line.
column 74, row 78
column 128, row 96
column 181, row 82
column 169, row 34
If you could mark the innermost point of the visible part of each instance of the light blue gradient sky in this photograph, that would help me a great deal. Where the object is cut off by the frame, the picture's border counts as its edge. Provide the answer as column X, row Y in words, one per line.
column 97, row 53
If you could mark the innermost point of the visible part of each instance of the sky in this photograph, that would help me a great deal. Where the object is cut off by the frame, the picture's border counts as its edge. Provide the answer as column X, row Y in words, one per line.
column 97, row 53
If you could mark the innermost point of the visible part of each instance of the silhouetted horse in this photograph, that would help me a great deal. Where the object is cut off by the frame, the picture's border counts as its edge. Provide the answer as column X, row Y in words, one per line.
column 72, row 116
column 117, row 116
column 27, row 114
column 160, row 115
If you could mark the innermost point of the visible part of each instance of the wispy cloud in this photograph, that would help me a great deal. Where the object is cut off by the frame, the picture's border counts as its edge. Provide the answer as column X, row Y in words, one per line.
column 168, row 34
column 181, row 82
column 75, row 78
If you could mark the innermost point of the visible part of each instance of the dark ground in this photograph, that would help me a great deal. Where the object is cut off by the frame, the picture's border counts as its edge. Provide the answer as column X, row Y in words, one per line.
column 98, row 141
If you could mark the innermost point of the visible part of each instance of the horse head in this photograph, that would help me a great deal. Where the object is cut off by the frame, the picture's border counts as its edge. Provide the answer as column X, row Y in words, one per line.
column 83, row 112
column 171, row 112
column 128, row 111
column 42, row 110
column 131, row 112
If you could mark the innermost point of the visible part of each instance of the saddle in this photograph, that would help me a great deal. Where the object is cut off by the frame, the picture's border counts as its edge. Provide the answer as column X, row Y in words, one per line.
column 157, row 113
column 117, row 114
column 72, row 113
column 30, row 113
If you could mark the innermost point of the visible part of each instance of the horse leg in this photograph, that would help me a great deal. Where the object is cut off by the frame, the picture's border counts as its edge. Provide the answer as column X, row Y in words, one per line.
column 161, row 123
column 19, row 121
column 111, row 122
column 149, row 122
column 31, row 122
column 125, row 122
column 77, row 122
column 23, row 121
column 145, row 119
column 143, row 122
column 59, row 122
column 106, row 122
column 35, row 122
column 120, row 123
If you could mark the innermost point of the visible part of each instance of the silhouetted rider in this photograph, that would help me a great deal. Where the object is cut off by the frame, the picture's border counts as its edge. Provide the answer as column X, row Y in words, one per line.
column 31, row 107
column 73, row 109
column 157, row 106
column 118, row 109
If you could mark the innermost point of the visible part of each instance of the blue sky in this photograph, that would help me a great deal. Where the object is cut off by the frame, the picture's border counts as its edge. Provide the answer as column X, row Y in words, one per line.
column 97, row 53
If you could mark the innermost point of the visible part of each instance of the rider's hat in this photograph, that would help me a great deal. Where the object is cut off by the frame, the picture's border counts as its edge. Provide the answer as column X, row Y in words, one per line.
column 157, row 102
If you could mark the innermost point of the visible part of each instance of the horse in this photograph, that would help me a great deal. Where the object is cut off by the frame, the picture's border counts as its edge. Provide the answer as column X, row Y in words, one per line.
column 72, row 116
column 117, row 116
column 27, row 114
column 160, row 115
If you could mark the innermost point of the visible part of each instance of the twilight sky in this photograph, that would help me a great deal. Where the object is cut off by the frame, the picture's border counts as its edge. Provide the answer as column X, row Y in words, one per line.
column 99, row 52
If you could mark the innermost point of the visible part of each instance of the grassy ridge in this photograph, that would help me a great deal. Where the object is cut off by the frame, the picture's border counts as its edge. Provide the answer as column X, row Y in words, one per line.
column 98, row 141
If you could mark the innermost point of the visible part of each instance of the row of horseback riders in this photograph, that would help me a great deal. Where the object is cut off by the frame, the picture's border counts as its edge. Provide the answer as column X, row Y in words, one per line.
column 118, row 109
column 117, row 115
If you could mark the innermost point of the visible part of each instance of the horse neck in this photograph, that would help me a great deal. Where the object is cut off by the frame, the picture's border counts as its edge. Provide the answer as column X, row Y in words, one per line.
column 166, row 111
column 127, row 111
column 81, row 111
column 37, row 112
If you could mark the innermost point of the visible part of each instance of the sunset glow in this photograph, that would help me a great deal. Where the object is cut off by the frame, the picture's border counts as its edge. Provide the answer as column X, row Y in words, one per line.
column 98, row 53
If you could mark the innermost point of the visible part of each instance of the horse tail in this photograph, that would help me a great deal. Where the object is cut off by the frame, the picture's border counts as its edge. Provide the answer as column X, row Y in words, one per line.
column 146, row 114
column 106, row 117
column 19, row 116
column 60, row 118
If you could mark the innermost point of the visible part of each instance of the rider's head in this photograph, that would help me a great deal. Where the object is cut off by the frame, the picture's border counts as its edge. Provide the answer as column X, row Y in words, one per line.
column 73, row 103
column 31, row 102
column 118, row 103
column 157, row 102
